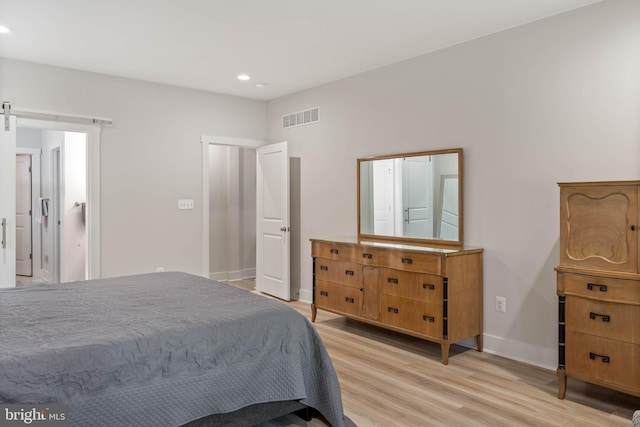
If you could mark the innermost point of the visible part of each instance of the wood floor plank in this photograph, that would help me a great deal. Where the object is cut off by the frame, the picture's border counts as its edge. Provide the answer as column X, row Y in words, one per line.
column 390, row 379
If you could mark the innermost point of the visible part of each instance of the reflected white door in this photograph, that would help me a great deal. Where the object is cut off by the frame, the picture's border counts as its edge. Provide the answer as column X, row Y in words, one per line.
column 417, row 183
column 450, row 219
column 383, row 217
column 272, row 228
column 23, row 215
column 8, row 203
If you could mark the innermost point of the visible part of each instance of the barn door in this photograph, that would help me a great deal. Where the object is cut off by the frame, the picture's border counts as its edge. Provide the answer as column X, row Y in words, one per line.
column 8, row 202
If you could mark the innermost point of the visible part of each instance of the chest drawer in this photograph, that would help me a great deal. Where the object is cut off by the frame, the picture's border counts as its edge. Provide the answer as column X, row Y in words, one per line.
column 603, row 359
column 413, row 315
column 412, row 261
column 600, row 288
column 415, row 286
column 340, row 298
column 605, row 319
column 335, row 251
column 341, row 272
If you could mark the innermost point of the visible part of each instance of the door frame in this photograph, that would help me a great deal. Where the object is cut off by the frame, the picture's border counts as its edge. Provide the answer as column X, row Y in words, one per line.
column 94, row 133
column 207, row 140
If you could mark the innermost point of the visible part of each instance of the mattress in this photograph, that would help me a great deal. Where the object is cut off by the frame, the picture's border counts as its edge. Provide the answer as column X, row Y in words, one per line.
column 160, row 349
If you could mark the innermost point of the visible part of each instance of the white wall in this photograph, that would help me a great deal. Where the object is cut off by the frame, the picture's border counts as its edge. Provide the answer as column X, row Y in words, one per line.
column 555, row 100
column 29, row 138
column 150, row 158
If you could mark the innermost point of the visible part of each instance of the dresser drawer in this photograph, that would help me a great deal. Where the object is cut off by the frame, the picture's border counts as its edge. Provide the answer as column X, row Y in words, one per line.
column 341, row 272
column 335, row 251
column 600, row 288
column 412, row 261
column 604, row 319
column 367, row 255
column 416, row 286
column 603, row 359
column 340, row 298
column 413, row 315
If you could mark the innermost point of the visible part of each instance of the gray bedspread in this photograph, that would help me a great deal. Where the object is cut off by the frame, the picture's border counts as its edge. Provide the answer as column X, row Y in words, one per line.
column 159, row 349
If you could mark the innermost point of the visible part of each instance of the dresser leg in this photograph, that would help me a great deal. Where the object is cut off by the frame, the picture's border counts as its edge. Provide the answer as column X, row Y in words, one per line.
column 562, row 383
column 314, row 311
column 444, row 346
column 479, row 342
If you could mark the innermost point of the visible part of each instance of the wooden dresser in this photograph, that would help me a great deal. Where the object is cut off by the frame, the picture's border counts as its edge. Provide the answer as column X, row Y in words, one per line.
column 430, row 293
column 599, row 285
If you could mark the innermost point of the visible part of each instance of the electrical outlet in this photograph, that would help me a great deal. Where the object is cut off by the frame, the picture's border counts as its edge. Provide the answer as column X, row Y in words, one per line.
column 185, row 204
column 501, row 304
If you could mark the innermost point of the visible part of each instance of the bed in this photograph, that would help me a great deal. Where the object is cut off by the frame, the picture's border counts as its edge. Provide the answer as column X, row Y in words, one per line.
column 162, row 349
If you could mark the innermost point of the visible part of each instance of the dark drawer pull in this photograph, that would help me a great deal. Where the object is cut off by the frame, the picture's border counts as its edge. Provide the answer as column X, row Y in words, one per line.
column 367, row 256
column 407, row 261
column 602, row 288
column 324, row 293
column 334, row 251
column 349, row 272
column 392, row 280
column 428, row 286
column 392, row 310
column 324, row 267
column 349, row 300
column 605, row 317
column 605, row 359
column 431, row 319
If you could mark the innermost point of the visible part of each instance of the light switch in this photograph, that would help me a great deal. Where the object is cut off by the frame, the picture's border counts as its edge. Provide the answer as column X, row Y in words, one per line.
column 185, row 203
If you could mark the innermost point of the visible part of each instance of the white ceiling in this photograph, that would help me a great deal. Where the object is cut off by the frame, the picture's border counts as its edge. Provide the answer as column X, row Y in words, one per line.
column 290, row 45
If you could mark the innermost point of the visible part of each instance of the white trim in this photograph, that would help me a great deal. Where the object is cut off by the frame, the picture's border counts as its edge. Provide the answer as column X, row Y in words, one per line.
column 36, row 232
column 93, row 182
column 306, row 295
column 232, row 141
column 207, row 140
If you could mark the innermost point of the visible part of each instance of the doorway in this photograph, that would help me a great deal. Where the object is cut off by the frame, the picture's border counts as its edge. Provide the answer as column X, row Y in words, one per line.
column 57, row 204
column 292, row 267
column 232, row 209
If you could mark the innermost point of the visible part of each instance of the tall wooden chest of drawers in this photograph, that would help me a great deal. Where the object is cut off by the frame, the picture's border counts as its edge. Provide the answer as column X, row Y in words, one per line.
column 431, row 293
column 599, row 285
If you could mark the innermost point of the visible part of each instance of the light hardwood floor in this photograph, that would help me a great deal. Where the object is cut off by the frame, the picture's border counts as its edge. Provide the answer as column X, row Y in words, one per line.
column 389, row 379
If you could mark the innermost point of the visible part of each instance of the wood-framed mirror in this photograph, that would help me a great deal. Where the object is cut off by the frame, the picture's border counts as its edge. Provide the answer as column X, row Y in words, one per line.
column 412, row 197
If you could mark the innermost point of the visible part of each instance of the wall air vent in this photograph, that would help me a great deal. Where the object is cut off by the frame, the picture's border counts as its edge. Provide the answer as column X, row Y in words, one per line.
column 301, row 118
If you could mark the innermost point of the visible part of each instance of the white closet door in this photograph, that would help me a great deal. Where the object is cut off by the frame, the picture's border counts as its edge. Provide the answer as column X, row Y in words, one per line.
column 23, row 215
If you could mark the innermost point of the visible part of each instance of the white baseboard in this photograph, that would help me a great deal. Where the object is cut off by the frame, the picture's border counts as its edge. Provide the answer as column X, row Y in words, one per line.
column 306, row 296
column 247, row 273
column 522, row 352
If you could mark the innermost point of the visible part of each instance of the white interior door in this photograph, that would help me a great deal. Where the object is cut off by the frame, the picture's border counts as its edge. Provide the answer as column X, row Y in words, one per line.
column 383, row 218
column 449, row 222
column 8, row 204
column 23, row 215
column 272, row 228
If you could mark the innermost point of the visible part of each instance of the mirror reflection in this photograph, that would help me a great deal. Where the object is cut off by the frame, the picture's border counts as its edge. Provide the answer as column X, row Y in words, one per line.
column 413, row 196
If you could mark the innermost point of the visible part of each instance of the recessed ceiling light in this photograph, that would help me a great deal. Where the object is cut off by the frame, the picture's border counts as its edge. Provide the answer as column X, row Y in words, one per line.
column 261, row 85
column 5, row 30
column 243, row 77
